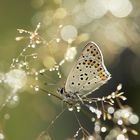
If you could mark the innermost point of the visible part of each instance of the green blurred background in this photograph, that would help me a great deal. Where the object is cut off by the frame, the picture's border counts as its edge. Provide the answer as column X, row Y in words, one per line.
column 119, row 38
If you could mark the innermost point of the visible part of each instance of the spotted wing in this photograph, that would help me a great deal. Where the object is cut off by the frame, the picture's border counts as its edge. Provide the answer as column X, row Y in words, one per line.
column 88, row 73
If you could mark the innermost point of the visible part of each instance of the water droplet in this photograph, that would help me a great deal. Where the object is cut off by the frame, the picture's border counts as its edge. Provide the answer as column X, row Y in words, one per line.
column 70, row 109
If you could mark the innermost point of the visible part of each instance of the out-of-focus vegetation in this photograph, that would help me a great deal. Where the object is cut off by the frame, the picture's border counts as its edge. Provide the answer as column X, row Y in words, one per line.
column 114, row 25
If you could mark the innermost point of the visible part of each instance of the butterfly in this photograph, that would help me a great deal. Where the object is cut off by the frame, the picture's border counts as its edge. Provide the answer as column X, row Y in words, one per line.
column 87, row 75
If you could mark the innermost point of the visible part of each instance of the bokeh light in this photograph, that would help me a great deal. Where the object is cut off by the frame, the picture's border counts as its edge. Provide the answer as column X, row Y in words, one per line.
column 95, row 8
column 49, row 62
column 60, row 13
column 120, row 137
column 16, row 79
column 103, row 129
column 2, row 137
column 134, row 119
column 111, row 110
column 120, row 8
column 14, row 101
column 71, row 6
column 68, row 33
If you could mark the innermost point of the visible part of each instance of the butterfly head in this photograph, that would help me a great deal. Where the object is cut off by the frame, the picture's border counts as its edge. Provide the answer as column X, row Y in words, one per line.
column 70, row 99
column 61, row 91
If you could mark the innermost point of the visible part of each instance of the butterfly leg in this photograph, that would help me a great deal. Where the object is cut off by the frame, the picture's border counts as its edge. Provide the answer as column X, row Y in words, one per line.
column 80, row 99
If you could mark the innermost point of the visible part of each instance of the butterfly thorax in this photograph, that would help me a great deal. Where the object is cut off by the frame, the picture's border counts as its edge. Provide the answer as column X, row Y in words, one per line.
column 70, row 98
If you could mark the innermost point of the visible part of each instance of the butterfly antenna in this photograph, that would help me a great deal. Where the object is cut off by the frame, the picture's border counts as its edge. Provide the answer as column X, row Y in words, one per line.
column 50, row 93
column 44, row 75
column 49, row 84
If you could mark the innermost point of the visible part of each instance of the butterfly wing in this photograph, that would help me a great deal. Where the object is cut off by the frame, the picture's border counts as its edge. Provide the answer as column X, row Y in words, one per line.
column 88, row 73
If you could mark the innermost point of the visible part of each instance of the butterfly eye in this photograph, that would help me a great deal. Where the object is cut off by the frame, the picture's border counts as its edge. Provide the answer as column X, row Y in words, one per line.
column 60, row 90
